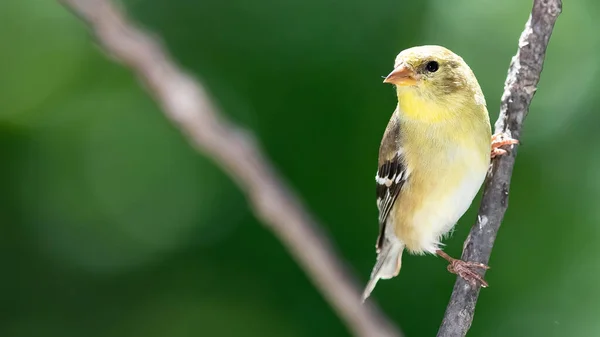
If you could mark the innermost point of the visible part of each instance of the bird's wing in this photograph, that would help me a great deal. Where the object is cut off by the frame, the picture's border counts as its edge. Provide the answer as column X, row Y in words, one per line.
column 391, row 174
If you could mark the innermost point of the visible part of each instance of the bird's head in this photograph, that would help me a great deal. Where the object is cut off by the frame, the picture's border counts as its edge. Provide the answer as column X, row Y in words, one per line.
column 434, row 74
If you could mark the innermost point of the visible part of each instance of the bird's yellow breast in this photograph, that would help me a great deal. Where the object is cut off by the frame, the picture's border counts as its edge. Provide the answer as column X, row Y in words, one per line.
column 416, row 107
column 454, row 119
column 447, row 158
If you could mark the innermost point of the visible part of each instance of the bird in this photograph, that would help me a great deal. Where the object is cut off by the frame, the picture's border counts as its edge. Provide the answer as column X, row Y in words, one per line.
column 433, row 159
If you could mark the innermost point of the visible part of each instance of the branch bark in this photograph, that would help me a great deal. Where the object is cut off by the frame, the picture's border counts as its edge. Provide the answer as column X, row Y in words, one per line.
column 520, row 86
column 185, row 102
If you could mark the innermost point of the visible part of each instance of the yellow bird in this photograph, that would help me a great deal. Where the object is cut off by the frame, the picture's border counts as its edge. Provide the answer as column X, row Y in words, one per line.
column 433, row 158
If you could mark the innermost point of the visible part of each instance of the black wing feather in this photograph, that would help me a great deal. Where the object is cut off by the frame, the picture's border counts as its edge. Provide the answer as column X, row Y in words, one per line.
column 391, row 176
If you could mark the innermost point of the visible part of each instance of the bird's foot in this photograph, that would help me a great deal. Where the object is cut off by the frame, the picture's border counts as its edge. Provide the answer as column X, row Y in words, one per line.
column 466, row 270
column 499, row 140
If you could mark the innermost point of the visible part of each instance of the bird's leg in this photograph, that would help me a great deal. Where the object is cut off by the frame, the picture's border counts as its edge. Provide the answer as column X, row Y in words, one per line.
column 501, row 139
column 466, row 270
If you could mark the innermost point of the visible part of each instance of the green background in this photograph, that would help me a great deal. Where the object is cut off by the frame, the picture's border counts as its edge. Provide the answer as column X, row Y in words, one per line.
column 111, row 225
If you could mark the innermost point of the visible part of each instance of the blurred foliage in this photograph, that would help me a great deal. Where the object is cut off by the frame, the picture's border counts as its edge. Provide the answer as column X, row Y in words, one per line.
column 111, row 225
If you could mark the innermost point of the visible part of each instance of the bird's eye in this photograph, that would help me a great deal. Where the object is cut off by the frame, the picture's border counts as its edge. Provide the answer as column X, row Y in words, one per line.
column 432, row 66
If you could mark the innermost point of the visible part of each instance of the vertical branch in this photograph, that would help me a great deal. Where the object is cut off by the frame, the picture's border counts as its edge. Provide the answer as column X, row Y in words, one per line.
column 185, row 102
column 519, row 89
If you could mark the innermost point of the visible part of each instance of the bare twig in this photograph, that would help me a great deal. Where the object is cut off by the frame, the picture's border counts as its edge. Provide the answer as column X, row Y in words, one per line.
column 521, row 83
column 187, row 104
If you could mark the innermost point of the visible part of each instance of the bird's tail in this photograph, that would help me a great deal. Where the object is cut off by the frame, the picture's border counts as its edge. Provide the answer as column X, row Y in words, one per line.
column 387, row 266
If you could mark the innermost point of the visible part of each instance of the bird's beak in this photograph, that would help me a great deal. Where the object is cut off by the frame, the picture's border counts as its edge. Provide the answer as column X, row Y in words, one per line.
column 401, row 76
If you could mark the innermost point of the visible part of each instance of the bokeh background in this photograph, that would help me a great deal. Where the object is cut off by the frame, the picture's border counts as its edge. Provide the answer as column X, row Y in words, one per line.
column 111, row 225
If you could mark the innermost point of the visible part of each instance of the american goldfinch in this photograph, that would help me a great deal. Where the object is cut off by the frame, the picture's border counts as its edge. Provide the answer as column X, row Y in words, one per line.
column 433, row 158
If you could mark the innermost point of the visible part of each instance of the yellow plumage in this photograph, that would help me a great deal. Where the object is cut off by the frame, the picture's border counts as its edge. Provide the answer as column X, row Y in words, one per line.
column 433, row 158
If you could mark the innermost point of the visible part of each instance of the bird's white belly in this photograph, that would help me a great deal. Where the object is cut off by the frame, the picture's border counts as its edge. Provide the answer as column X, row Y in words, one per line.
column 438, row 215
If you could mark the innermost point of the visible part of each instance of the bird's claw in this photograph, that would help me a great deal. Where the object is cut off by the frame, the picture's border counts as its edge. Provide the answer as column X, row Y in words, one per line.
column 466, row 270
column 499, row 140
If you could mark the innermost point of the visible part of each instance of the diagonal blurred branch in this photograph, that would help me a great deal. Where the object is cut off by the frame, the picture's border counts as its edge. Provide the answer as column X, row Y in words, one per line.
column 187, row 104
column 521, row 84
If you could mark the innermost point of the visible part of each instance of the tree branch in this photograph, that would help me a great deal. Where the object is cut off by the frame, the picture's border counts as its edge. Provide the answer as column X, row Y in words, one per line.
column 519, row 89
column 185, row 102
